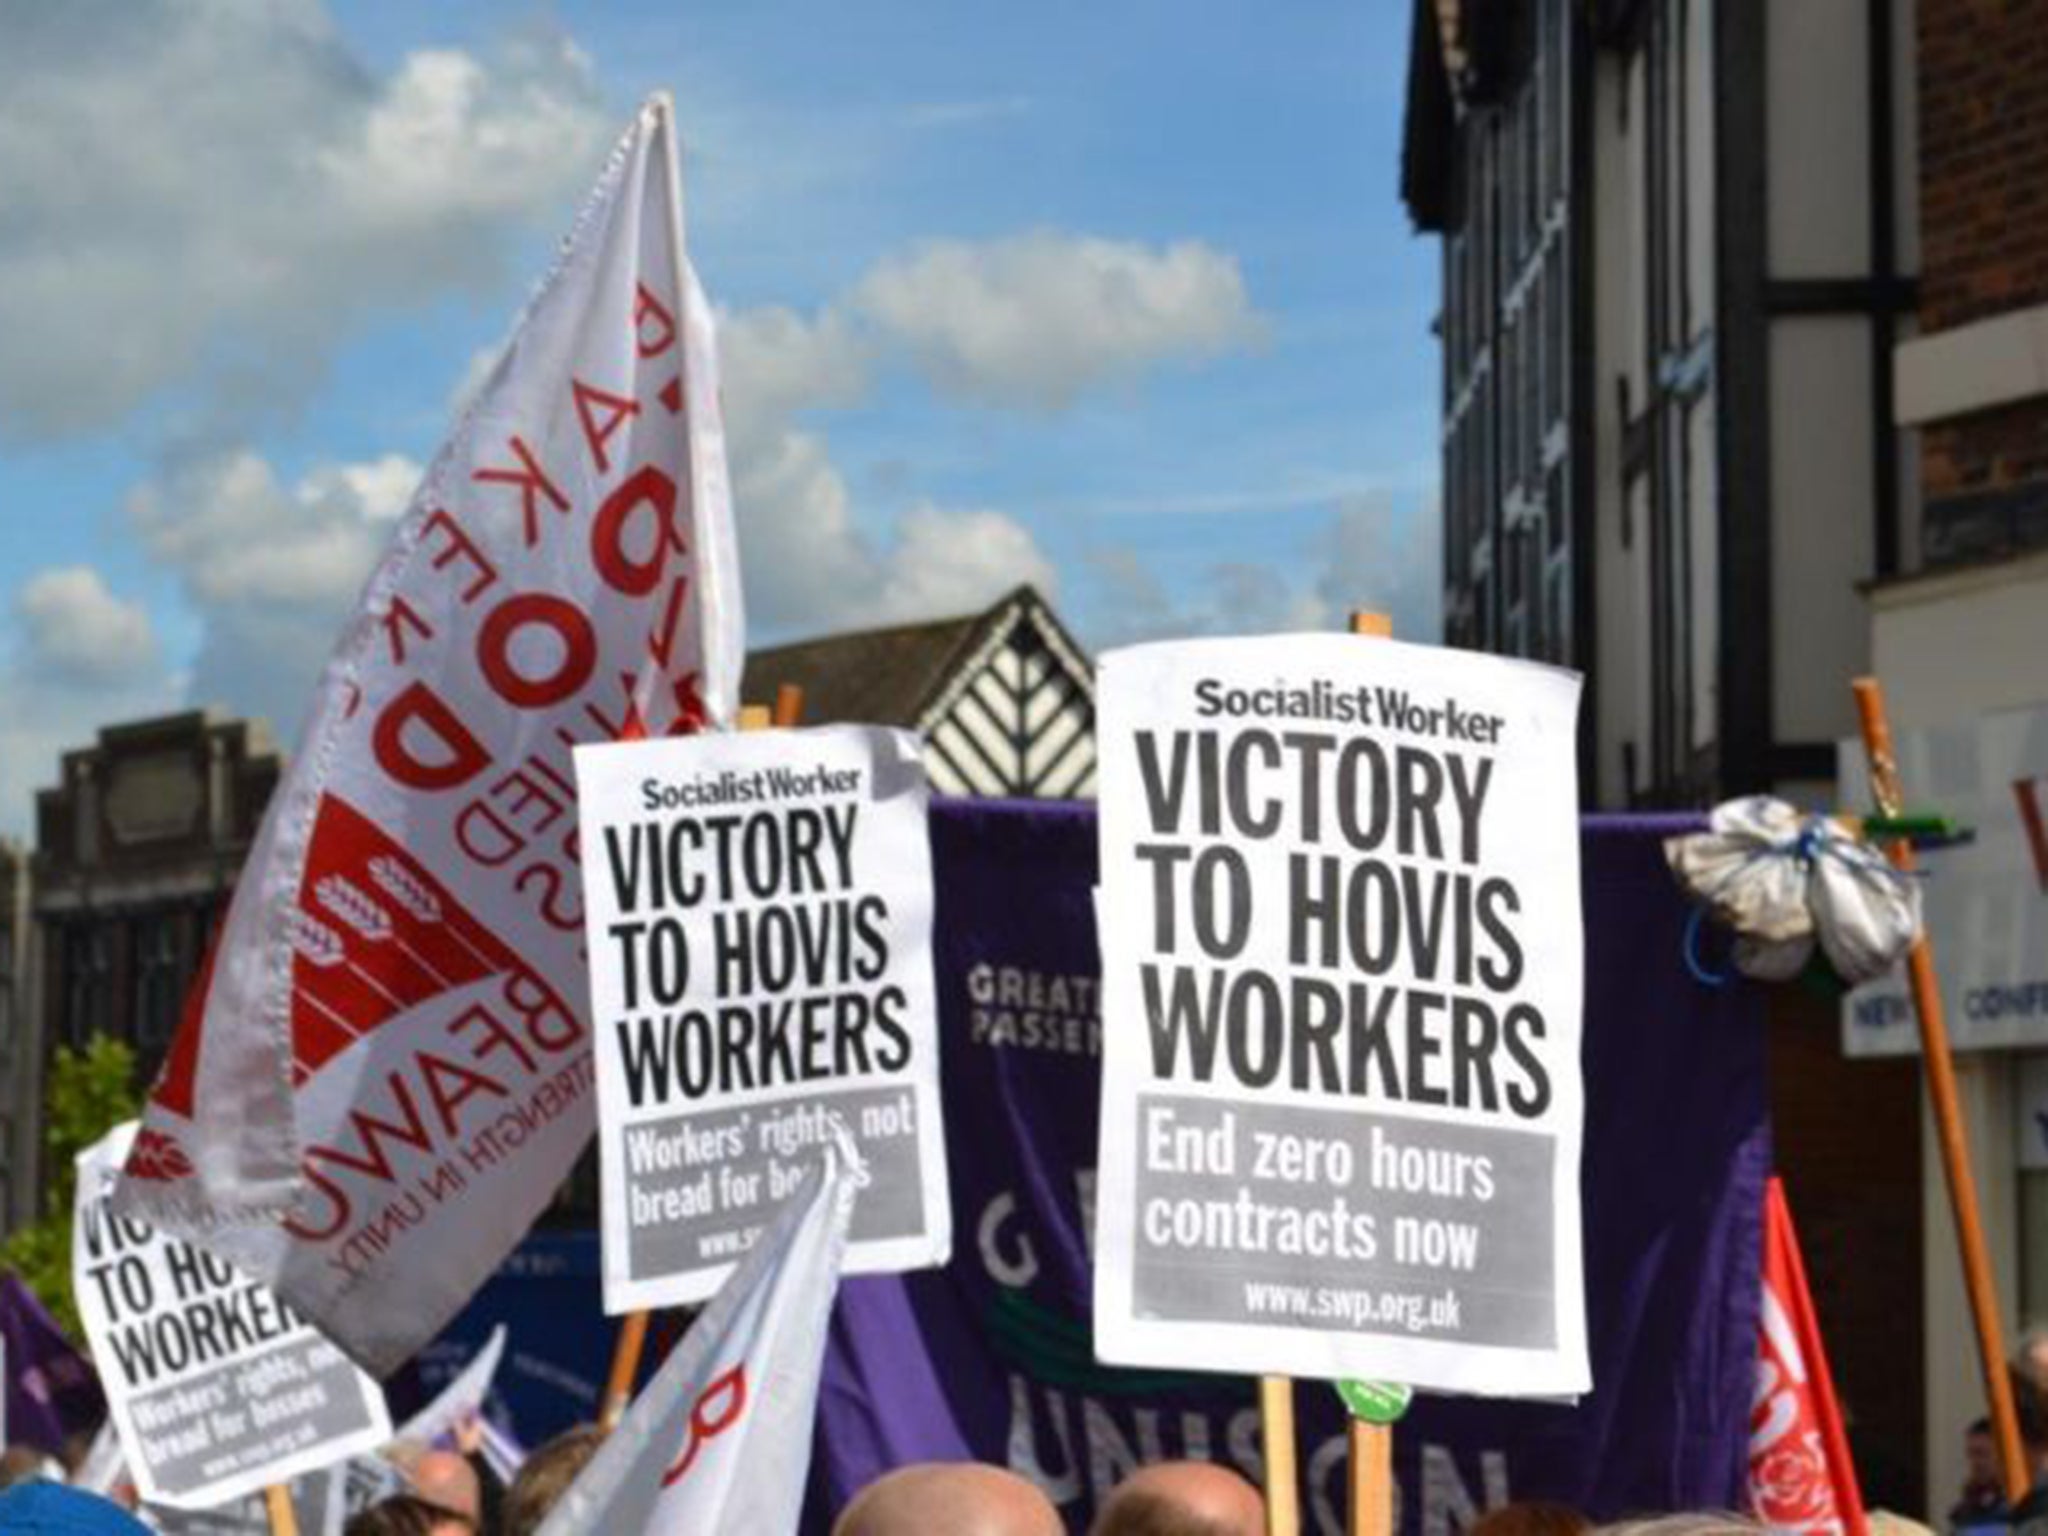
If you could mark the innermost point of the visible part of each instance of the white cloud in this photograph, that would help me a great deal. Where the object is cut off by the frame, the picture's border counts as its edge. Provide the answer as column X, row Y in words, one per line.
column 1366, row 556
column 1371, row 557
column 775, row 362
column 77, row 632
column 1031, row 321
column 219, row 189
column 73, row 655
column 811, row 569
column 475, row 374
column 1035, row 319
column 965, row 113
column 945, row 562
column 273, row 570
column 381, row 488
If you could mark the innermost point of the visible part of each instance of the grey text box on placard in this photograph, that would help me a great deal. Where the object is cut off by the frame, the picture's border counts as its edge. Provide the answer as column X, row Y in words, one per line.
column 680, row 1172
column 1339, row 1220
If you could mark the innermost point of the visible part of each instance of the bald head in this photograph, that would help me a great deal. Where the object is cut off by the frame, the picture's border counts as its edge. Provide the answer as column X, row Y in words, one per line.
column 445, row 1479
column 949, row 1499
column 1182, row 1498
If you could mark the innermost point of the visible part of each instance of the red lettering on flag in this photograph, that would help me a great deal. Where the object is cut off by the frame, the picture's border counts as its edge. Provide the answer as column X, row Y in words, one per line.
column 572, row 633
column 418, row 717
column 716, row 1410
column 401, row 617
column 615, row 410
column 650, row 490
column 661, row 641
column 531, row 480
column 654, row 328
column 459, row 546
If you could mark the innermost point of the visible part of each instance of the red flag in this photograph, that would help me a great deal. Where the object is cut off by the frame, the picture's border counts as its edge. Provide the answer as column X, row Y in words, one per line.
column 1800, row 1474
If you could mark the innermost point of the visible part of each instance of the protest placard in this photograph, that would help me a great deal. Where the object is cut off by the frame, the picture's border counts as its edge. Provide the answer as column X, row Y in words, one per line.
column 215, row 1386
column 760, row 911
column 1342, row 981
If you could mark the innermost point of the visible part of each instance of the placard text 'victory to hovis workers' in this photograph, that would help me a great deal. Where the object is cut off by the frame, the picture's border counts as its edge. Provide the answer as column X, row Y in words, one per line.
column 760, row 914
column 1342, row 978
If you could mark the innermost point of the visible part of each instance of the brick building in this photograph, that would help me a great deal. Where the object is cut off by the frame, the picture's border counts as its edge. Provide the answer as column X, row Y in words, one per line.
column 1975, row 381
column 1960, row 634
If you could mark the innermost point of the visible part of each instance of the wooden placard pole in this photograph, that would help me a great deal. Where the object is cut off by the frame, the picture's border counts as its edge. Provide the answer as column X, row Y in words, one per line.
column 1371, row 1504
column 632, row 1342
column 277, row 1504
column 1948, row 1114
column 1283, row 1479
column 618, row 1387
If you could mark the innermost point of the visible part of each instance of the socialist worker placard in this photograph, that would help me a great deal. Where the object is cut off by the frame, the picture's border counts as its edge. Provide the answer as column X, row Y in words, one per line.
column 1342, row 980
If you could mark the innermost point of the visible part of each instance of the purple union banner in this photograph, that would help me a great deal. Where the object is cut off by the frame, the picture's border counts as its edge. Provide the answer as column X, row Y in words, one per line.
column 990, row 1358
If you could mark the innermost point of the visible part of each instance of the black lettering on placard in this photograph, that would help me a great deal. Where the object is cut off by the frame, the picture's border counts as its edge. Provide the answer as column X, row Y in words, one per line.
column 774, row 978
column 196, row 1310
column 1385, row 877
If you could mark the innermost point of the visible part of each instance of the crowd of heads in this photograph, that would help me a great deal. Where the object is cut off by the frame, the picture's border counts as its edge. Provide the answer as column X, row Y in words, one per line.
column 453, row 1493
column 449, row 1493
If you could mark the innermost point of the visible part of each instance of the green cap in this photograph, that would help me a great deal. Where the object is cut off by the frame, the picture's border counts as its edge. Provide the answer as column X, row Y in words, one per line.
column 1376, row 1402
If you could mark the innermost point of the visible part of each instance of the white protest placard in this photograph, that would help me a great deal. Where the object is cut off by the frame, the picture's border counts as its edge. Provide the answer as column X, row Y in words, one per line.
column 1342, row 980
column 760, row 911
column 215, row 1387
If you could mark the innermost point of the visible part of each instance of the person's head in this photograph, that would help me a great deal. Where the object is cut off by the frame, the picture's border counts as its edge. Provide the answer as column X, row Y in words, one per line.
column 2030, row 1407
column 949, row 1499
column 446, row 1479
column 404, row 1515
column 1980, row 1456
column 1531, row 1518
column 2031, row 1354
column 1182, row 1498
column 546, row 1475
column 38, row 1508
column 77, row 1446
column 1704, row 1522
column 22, row 1464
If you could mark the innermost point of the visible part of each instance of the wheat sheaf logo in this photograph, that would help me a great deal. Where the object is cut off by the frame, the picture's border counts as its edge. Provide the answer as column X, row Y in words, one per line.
column 372, row 936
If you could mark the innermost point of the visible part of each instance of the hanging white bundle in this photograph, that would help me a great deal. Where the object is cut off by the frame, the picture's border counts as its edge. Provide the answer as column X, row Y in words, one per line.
column 1782, row 879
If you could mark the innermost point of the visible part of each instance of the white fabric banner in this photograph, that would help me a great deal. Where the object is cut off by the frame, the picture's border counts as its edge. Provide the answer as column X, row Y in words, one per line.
column 460, row 1401
column 1342, row 960
column 460, row 1404
column 385, row 1072
column 215, row 1387
column 721, row 1438
column 760, row 908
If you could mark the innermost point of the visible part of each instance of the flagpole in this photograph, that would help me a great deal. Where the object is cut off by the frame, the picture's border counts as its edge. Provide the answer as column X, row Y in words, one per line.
column 1371, row 1446
column 1948, row 1112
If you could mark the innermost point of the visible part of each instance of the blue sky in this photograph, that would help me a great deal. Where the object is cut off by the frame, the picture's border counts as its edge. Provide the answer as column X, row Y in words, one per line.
column 258, row 245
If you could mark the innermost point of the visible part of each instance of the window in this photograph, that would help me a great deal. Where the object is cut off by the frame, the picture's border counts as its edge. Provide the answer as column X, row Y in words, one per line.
column 162, row 971
column 6, row 989
column 88, row 982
